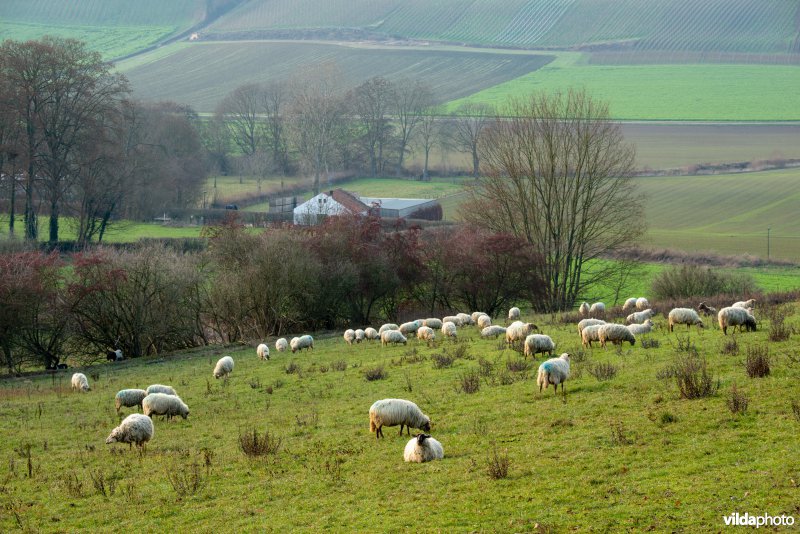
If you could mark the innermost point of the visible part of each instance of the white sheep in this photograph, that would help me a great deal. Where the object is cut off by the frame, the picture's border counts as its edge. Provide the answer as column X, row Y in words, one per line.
column 263, row 352
column 736, row 317
column 302, row 342
column 80, row 382
column 493, row 331
column 136, row 428
column 639, row 317
column 583, row 323
column 426, row 333
column 583, row 310
column 474, row 316
column 484, row 321
column 553, row 371
column 449, row 329
column 129, row 398
column 393, row 412
column 434, row 323
column 644, row 328
column 642, row 304
column 159, row 388
column 685, row 316
column 393, row 337
column 166, row 405
column 615, row 333
column 536, row 343
column 590, row 333
column 370, row 333
column 423, row 448
column 466, row 319
column 410, row 327
column 281, row 344
column 452, row 319
column 630, row 304
column 224, row 367
column 360, row 335
column 349, row 336
column 744, row 304
column 518, row 331
column 387, row 326
column 514, row 314
column 598, row 308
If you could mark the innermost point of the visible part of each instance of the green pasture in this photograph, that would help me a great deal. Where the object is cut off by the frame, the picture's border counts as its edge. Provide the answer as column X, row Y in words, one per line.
column 117, row 232
column 625, row 454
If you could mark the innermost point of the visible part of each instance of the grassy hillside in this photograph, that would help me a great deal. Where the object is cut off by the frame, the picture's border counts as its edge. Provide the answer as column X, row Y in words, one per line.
column 621, row 454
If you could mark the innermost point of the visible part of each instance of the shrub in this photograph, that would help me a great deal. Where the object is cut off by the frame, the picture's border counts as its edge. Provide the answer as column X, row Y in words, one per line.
column 375, row 373
column 442, row 361
column 695, row 281
column 254, row 444
column 292, row 368
column 518, row 365
column 757, row 363
column 796, row 410
column 603, row 371
column 731, row 346
column 339, row 365
column 469, row 382
column 693, row 378
column 497, row 464
column 485, row 367
column 186, row 480
column 778, row 330
column 667, row 418
column 649, row 343
column 737, row 400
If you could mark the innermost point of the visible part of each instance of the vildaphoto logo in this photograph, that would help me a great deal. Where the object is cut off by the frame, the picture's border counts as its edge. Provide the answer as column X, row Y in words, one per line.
column 748, row 520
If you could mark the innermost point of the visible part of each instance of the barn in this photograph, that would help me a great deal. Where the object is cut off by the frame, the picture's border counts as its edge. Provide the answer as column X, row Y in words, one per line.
column 341, row 202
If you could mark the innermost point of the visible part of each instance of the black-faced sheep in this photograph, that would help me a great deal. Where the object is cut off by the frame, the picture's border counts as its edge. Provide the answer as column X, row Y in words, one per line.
column 423, row 448
column 705, row 309
column 736, row 317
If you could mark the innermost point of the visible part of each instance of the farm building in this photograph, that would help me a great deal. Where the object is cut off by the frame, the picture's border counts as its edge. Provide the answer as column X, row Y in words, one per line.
column 341, row 202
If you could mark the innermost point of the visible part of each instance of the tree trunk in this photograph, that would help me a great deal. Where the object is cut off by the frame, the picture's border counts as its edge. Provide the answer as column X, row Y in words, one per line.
column 475, row 161
column 12, row 203
column 425, row 169
column 31, row 229
column 53, row 221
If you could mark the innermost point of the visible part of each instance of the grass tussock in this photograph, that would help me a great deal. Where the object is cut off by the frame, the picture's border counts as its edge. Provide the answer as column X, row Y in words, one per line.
column 693, row 378
column 469, row 382
column 497, row 464
column 737, row 400
column 375, row 373
column 603, row 371
column 186, row 480
column 254, row 444
column 757, row 363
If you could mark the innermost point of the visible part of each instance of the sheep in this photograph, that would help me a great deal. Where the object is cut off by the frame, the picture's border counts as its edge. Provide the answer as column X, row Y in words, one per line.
column 493, row 331
column 518, row 331
column 706, row 309
column 474, row 316
column 360, row 335
column 449, row 329
column 129, row 398
column 136, row 428
column 590, row 333
column 426, row 333
column 644, row 328
column 536, row 343
column 615, row 333
column 80, row 382
column 554, row 371
column 263, row 352
column 166, row 405
column 642, row 304
column 410, row 327
column 598, row 308
column 393, row 336
column 302, row 342
column 736, row 316
column 484, row 321
column 423, row 448
column 393, row 412
column 281, row 344
column 371, row 333
column 583, row 310
column 158, row 388
column 639, row 317
column 114, row 355
column 588, row 322
column 513, row 314
column 630, row 304
column 224, row 367
column 388, row 326
column 685, row 316
column 466, row 319
column 744, row 304
column 432, row 323
column 349, row 336
column 452, row 319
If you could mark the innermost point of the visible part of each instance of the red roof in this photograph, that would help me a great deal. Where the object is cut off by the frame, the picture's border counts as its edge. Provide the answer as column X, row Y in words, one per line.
column 350, row 202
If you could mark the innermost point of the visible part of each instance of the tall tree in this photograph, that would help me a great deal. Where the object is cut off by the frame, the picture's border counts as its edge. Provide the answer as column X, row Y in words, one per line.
column 411, row 101
column 9, row 146
column 429, row 135
column 557, row 173
column 470, row 122
column 240, row 110
column 372, row 102
column 274, row 100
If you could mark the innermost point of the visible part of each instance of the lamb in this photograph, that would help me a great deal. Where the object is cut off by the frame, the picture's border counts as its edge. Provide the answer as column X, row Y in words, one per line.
column 302, row 342
column 518, row 331
column 224, row 367
column 349, row 336
column 615, row 333
column 158, row 388
column 393, row 336
column 584, row 309
column 410, row 327
column 166, row 405
column 554, row 371
column 432, row 323
column 630, row 304
column 644, row 328
column 80, row 382
column 371, row 333
column 281, row 344
column 598, row 308
column 388, row 326
column 590, row 333
column 393, row 412
column 642, row 304
column 423, row 448
column 263, row 352
column 484, row 321
column 736, row 316
column 449, row 329
column 744, row 304
column 588, row 322
column 136, row 428
column 466, row 319
column 639, row 317
column 114, row 355
column 685, row 316
column 513, row 314
column 493, row 331
column 706, row 309
column 360, row 335
column 129, row 398
column 425, row 333
column 452, row 319
column 536, row 343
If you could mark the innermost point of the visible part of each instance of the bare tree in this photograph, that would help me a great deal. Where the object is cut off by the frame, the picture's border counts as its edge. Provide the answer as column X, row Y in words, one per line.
column 9, row 147
column 470, row 122
column 557, row 173
column 240, row 110
column 429, row 134
column 412, row 99
column 372, row 102
column 274, row 100
column 216, row 139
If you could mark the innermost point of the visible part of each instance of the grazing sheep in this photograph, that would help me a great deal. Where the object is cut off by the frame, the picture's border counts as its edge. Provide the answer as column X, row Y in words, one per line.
column 588, row 322
column 639, row 317
column 706, row 309
column 513, row 314
column 553, row 371
column 388, row 326
column 590, row 333
column 474, row 316
column 518, row 331
column 423, row 448
column 426, row 333
column 685, row 316
column 224, row 367
column 642, row 304
column 114, row 355
column 371, row 333
column 644, row 328
column 393, row 412
column 536, row 343
column 159, row 388
column 744, row 304
column 263, row 352
column 360, row 335
column 449, row 329
column 129, row 398
column 281, row 344
column 466, row 319
column 349, row 336
column 302, row 342
column 432, row 323
column 598, row 308
column 736, row 317
column 493, row 331
column 615, row 333
column 166, row 405
column 584, row 309
column 410, row 327
column 136, row 428
column 630, row 304
column 80, row 382
column 484, row 321
column 452, row 319
column 393, row 336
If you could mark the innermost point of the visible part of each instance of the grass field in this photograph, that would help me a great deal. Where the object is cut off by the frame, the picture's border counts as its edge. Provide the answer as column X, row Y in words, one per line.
column 621, row 454
column 118, row 231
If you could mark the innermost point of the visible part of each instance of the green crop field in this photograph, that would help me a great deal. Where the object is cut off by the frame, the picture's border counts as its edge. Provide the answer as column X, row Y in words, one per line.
column 626, row 453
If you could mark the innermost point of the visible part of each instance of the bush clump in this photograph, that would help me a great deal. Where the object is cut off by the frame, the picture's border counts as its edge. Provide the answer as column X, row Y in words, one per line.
column 697, row 281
